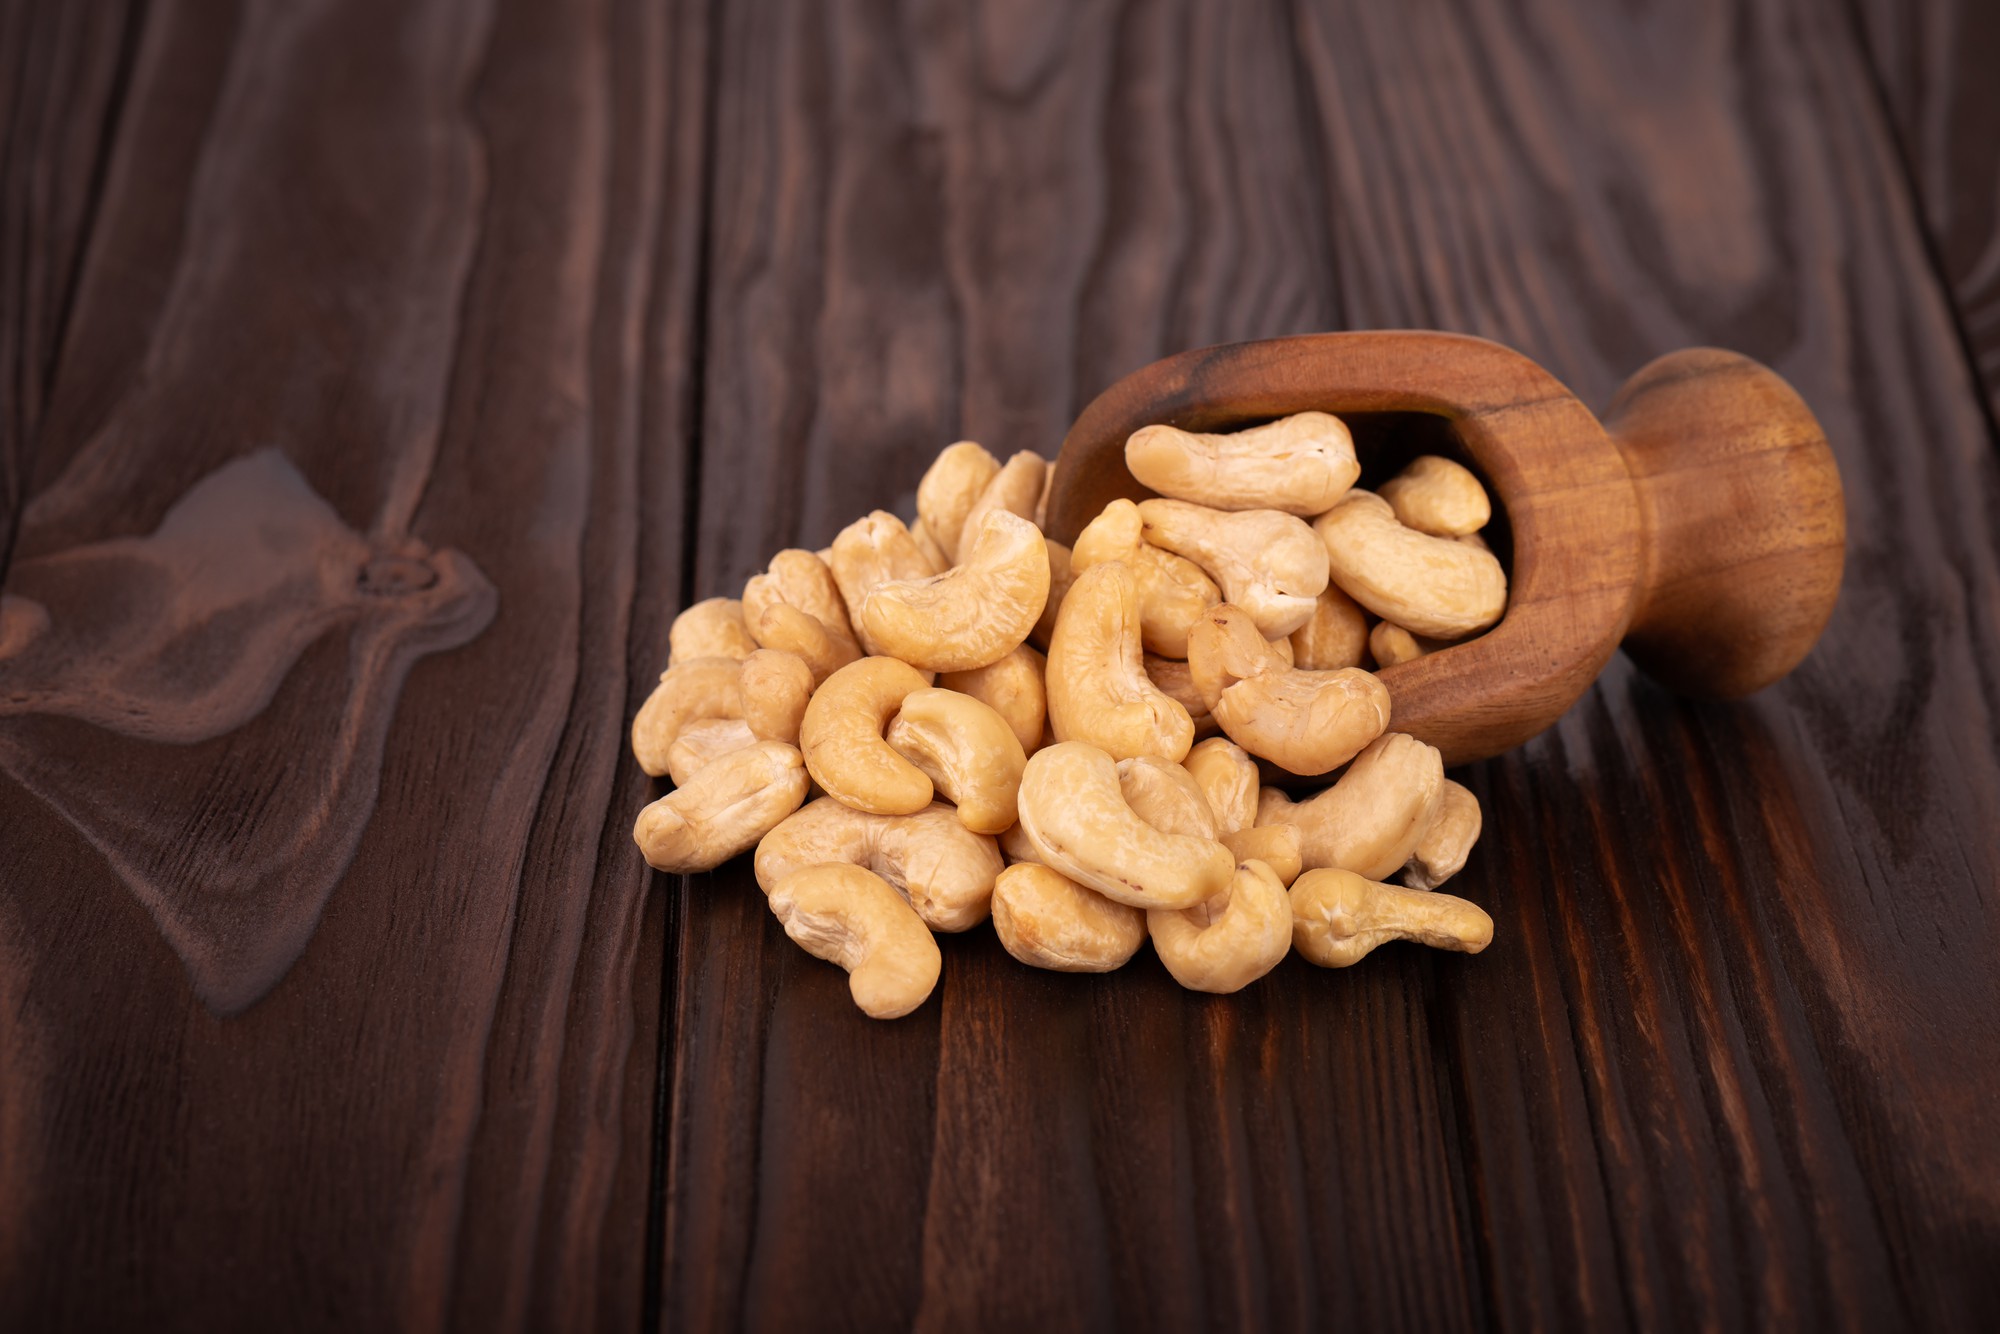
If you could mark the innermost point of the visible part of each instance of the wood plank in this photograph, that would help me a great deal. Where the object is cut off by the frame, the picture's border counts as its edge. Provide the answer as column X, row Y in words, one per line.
column 328, row 998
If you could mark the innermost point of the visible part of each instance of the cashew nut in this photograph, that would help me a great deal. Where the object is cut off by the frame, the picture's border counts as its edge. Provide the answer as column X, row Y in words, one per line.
column 776, row 687
column 1173, row 591
column 1098, row 688
column 872, row 551
column 1074, row 812
column 841, row 735
column 711, row 628
column 688, row 692
column 1339, row 916
column 851, row 917
column 951, row 486
column 723, row 809
column 1061, row 576
column 1372, row 819
column 1230, row 941
column 1263, row 559
column 967, row 750
column 1300, row 464
column 1335, row 637
column 1176, row 682
column 1437, row 496
column 974, row 613
column 1307, row 722
column 1227, row 777
column 1015, row 488
column 796, row 606
column 1276, row 845
column 1012, row 687
column 1442, row 851
column 701, row 743
column 1390, row 644
column 1047, row 920
column 943, row 868
column 1165, row 796
column 1433, row 586
column 1016, row 847
column 928, row 545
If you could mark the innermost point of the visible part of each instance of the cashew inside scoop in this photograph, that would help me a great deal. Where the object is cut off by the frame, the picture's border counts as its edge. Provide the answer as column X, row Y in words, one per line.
column 1335, row 637
column 1228, row 778
column 1372, row 819
column 1433, row 586
column 1440, row 854
column 1339, row 916
column 1047, row 920
column 1230, row 941
column 724, row 808
column 841, row 734
column 1074, row 812
column 945, row 869
column 1013, row 688
column 1098, row 688
column 852, row 917
column 950, row 488
column 701, row 743
column 1300, row 464
column 871, row 551
column 712, row 628
column 1307, row 722
column 688, row 692
column 969, row 753
column 974, row 613
column 1391, row 645
column 1437, row 496
column 1173, row 591
column 1265, row 561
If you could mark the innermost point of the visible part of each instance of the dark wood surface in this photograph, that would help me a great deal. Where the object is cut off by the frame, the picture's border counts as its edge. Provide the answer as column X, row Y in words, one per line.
column 332, row 991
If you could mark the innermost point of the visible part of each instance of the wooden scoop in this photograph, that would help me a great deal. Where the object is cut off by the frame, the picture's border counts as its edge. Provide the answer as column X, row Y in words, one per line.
column 1700, row 526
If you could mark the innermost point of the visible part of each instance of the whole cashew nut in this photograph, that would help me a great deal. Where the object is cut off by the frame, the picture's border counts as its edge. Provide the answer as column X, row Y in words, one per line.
column 951, row 486
column 688, row 692
column 851, row 917
column 1173, row 591
column 702, row 743
column 944, row 869
column 928, row 545
column 841, row 735
column 1263, row 559
column 1013, row 688
column 1016, row 488
column 967, row 750
column 1437, row 496
column 796, row 606
column 1165, row 796
column 1307, row 722
column 1227, row 777
column 1433, row 586
column 1372, row 819
column 1098, row 688
column 974, row 613
column 1230, row 941
column 776, row 687
column 711, row 628
column 1074, row 812
column 1339, row 916
column 1278, row 846
column 872, row 551
column 1047, row 920
column 1300, row 464
column 1441, row 852
column 723, row 809
column 1335, row 637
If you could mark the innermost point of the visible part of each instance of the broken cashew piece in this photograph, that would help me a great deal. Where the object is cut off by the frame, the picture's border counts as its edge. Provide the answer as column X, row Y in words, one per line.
column 1300, row 464
column 1228, row 778
column 850, row 916
column 1230, row 941
column 1433, row 586
column 1339, row 916
column 1012, row 687
column 722, row 810
column 872, row 551
column 1440, row 854
column 1098, row 688
column 1335, row 637
column 967, row 750
column 1306, row 722
column 974, row 613
column 1437, row 496
column 1016, row 488
column 1263, row 559
column 951, row 486
column 1047, row 920
column 699, row 744
column 1074, row 812
column 944, row 869
column 841, row 735
column 1173, row 590
column 1276, row 845
column 1373, row 818
column 711, row 628
column 689, row 692
column 776, row 687
column 1165, row 796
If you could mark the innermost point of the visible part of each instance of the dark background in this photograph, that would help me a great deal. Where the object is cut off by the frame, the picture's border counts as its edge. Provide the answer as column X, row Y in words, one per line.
column 333, row 992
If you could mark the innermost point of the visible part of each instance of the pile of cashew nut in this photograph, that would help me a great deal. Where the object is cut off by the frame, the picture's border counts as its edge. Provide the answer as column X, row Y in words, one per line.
column 927, row 726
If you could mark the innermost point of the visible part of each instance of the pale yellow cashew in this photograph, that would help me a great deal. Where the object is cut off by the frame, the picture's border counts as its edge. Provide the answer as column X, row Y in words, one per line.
column 1306, row 722
column 776, row 687
column 795, row 606
column 841, row 735
column 973, row 614
column 1433, row 586
column 1016, row 488
column 1278, row 846
column 1016, row 847
column 1440, row 854
column 1300, row 464
column 1175, row 681
column 688, row 692
column 967, row 750
column 1073, row 811
column 1061, row 577
column 928, row 545
column 851, row 917
column 1335, row 637
column 1339, row 916
column 1173, row 591
column 1437, row 496
column 1267, row 562
column 943, row 868
column 1013, row 688
column 951, row 486
column 711, row 628
column 1098, row 688
column 872, row 551
column 1390, row 645
column 723, row 809
column 1230, row 941
column 700, row 744
column 1227, row 777
column 784, row 628
column 1047, row 920
column 1373, row 818
column 1165, row 796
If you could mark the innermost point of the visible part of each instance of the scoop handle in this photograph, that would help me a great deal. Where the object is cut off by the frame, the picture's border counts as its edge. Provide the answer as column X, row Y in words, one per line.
column 1743, row 525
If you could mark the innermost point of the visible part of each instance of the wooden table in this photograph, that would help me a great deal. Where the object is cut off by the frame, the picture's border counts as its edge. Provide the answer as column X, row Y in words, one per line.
column 380, row 377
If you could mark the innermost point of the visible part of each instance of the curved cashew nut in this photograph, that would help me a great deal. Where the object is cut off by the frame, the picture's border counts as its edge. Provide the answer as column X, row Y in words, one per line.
column 1173, row 591
column 1061, row 576
column 967, row 750
column 944, row 869
column 1098, row 688
column 1012, row 687
column 688, row 692
column 699, row 744
column 1165, row 796
column 841, row 735
column 796, row 606
column 1074, row 812
column 974, row 613
column 1047, row 920
column 776, row 687
column 1307, row 722
column 711, row 628
column 1015, row 488
column 951, row 486
column 1014, row 845
column 1433, row 586
column 1440, row 854
column 928, row 545
column 1391, row 645
column 1300, row 464
column 1335, row 637
column 1278, row 846
column 851, row 917
column 872, row 551
column 1437, row 496
column 723, row 809
column 1339, row 916
column 1230, row 941
column 1262, row 558
column 1373, row 818
column 1227, row 777
column 1175, row 681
